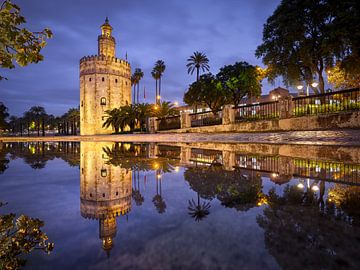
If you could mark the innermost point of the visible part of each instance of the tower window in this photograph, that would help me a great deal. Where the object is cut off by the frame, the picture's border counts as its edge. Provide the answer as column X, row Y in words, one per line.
column 115, row 80
column 104, row 195
column 103, row 79
column 117, row 193
column 82, row 103
column 103, row 101
column 103, row 172
column 89, row 79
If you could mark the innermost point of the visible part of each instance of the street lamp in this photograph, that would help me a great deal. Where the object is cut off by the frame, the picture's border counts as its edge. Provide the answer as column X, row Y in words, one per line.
column 313, row 84
column 176, row 103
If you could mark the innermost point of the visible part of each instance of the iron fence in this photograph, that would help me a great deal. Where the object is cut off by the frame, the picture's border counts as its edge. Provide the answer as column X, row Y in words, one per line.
column 345, row 100
column 206, row 119
column 172, row 122
column 259, row 111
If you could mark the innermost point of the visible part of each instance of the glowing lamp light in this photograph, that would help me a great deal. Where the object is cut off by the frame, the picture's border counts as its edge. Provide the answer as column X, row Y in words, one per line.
column 315, row 188
column 314, row 84
column 158, row 96
column 274, row 175
column 177, row 169
column 299, row 87
column 158, row 176
column 300, row 185
column 176, row 103
column 156, row 107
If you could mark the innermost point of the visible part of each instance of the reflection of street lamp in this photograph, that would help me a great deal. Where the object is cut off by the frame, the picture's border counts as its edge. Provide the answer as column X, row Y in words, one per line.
column 313, row 84
column 176, row 103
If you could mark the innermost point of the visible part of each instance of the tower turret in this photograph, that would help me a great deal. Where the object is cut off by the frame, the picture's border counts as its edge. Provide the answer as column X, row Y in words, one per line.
column 106, row 42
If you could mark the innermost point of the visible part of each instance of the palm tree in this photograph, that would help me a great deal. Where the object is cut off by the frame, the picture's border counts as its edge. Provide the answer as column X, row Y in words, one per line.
column 165, row 109
column 28, row 116
column 197, row 210
column 155, row 75
column 158, row 200
column 143, row 110
column 133, row 80
column 115, row 119
column 38, row 113
column 197, row 61
column 73, row 116
column 160, row 69
column 139, row 74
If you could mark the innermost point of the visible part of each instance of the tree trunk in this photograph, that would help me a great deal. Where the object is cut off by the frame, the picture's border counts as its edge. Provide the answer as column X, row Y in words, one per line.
column 43, row 127
column 137, row 94
column 156, row 91
column 21, row 129
column 134, row 93
column 28, row 128
column 197, row 73
column 38, row 127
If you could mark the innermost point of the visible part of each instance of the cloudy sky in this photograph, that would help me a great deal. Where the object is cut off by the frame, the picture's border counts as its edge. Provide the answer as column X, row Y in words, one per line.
column 148, row 30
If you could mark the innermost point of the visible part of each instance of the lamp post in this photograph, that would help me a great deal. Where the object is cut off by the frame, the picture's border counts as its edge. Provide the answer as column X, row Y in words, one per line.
column 313, row 84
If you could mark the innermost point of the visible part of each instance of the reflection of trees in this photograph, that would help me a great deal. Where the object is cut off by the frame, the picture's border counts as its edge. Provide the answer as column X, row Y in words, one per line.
column 198, row 210
column 232, row 188
column 19, row 236
column 135, row 157
column 301, row 234
column 136, row 194
column 347, row 202
column 37, row 154
column 3, row 160
column 158, row 200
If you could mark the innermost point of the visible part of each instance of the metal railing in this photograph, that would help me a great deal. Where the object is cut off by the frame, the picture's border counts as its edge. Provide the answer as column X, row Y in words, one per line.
column 172, row 122
column 259, row 111
column 206, row 119
column 339, row 101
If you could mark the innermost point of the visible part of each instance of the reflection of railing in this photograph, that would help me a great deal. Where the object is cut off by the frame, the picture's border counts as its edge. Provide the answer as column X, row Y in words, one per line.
column 265, row 110
column 258, row 163
column 328, row 171
column 169, row 151
column 206, row 119
column 206, row 156
column 345, row 100
column 172, row 122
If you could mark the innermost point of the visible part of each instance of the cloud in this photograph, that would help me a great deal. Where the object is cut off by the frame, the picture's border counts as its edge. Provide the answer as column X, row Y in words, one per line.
column 227, row 31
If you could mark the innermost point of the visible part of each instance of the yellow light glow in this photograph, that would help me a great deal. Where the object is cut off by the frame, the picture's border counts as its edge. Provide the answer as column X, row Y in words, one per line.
column 176, row 103
column 274, row 175
column 158, row 176
column 300, row 185
column 315, row 188
column 158, row 96
column 177, row 169
column 314, row 84
column 299, row 87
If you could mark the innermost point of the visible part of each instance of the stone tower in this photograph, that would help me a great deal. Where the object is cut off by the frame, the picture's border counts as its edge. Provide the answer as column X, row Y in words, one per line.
column 104, row 84
column 105, row 190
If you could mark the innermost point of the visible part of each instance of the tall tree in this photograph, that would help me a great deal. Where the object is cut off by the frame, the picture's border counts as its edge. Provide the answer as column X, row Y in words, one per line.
column 207, row 90
column 304, row 38
column 3, row 116
column 133, row 80
column 239, row 81
column 340, row 79
column 17, row 44
column 139, row 74
column 38, row 113
column 155, row 75
column 196, row 62
column 160, row 69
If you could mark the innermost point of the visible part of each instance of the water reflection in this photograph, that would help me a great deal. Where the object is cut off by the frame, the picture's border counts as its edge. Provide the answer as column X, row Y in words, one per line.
column 306, row 200
column 105, row 190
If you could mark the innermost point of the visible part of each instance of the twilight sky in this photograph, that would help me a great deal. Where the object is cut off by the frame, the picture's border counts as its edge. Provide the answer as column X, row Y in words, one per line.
column 148, row 30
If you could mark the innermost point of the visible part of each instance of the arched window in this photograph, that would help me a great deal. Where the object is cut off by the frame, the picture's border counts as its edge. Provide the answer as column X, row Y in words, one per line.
column 115, row 80
column 103, row 79
column 103, row 101
column 89, row 79
column 103, row 172
column 82, row 103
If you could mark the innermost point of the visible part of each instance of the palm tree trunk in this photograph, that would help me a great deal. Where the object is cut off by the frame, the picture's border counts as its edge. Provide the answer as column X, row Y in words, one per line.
column 160, row 90
column 134, row 93
column 137, row 94
column 156, row 91
column 21, row 129
column 197, row 73
column 38, row 127
column 43, row 127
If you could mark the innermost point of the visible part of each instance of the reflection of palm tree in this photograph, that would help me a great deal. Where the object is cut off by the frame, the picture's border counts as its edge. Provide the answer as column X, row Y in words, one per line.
column 136, row 194
column 158, row 200
column 198, row 210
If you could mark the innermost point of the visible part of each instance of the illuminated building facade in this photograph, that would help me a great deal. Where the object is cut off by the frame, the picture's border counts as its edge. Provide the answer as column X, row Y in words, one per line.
column 104, row 84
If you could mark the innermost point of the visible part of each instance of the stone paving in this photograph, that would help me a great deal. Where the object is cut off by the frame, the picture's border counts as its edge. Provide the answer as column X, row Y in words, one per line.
column 329, row 137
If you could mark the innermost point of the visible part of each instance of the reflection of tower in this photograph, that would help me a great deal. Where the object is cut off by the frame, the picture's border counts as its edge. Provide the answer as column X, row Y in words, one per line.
column 105, row 190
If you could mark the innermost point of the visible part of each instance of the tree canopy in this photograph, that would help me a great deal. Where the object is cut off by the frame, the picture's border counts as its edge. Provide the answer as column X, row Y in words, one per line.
column 302, row 39
column 18, row 44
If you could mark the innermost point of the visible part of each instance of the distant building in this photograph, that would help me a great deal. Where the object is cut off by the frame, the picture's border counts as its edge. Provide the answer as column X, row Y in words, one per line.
column 104, row 84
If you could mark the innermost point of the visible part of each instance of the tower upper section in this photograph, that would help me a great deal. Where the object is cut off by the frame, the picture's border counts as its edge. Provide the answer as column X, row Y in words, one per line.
column 106, row 42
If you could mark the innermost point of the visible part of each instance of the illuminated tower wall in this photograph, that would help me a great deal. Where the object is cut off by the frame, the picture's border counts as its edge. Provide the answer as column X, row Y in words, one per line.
column 105, row 190
column 104, row 84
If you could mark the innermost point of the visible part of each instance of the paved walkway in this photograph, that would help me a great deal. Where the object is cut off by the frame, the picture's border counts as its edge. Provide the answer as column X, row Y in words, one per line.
column 330, row 137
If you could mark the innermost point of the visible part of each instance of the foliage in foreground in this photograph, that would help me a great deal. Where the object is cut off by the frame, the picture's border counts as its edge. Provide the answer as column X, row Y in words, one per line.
column 20, row 236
